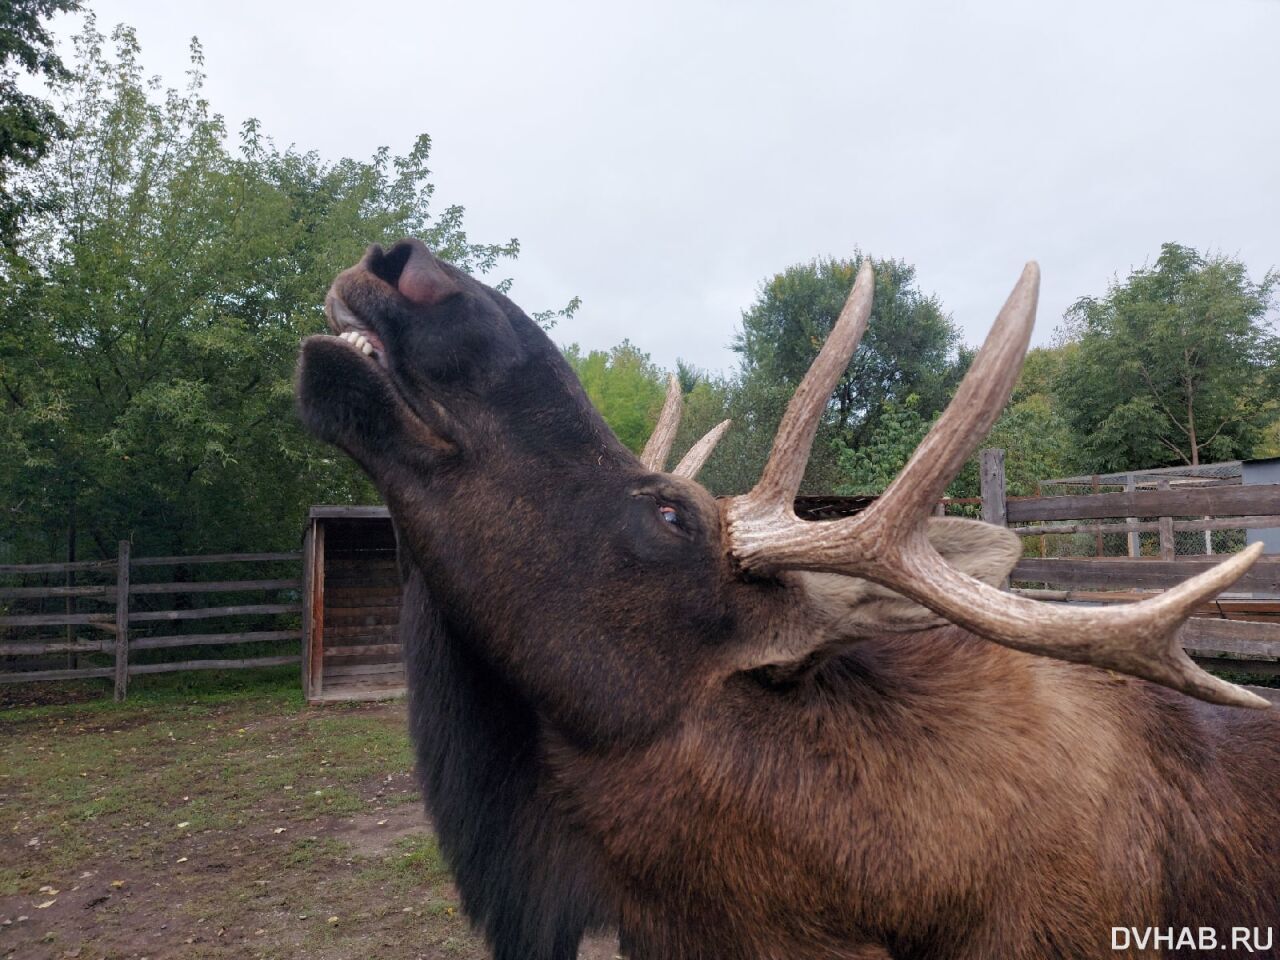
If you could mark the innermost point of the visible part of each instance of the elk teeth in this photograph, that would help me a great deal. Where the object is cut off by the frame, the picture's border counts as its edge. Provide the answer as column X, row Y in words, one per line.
column 357, row 340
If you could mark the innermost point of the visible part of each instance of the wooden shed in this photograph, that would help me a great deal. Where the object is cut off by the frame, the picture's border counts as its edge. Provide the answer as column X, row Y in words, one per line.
column 351, row 606
column 351, row 599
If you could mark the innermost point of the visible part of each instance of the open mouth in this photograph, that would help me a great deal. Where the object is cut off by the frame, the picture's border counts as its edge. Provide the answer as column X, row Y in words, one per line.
column 348, row 328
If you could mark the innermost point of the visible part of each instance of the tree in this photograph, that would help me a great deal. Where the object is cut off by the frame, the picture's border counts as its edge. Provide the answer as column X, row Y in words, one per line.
column 871, row 466
column 625, row 386
column 28, row 125
column 910, row 347
column 1178, row 364
column 150, row 334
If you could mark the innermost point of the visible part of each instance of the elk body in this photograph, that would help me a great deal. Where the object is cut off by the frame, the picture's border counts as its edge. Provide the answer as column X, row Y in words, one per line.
column 732, row 735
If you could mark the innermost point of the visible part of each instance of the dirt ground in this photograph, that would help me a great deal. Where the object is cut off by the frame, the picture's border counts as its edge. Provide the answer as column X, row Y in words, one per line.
column 223, row 825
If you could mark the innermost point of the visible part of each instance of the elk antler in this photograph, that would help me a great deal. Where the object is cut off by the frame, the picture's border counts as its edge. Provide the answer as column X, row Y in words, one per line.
column 693, row 460
column 659, row 444
column 887, row 542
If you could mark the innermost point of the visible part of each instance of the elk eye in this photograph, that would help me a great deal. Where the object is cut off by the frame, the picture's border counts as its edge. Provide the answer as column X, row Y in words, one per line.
column 669, row 514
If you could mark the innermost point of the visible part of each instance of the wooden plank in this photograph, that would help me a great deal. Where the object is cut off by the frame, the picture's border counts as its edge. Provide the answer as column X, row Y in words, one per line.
column 207, row 639
column 360, row 692
column 368, row 616
column 359, row 582
column 1148, row 526
column 993, row 487
column 53, row 619
column 318, row 586
column 1234, row 501
column 1134, row 542
column 1206, row 637
column 34, row 676
column 1098, row 550
column 338, row 671
column 215, row 586
column 216, row 558
column 53, row 646
column 388, row 650
column 25, row 568
column 1168, row 548
column 172, row 667
column 122, row 621
column 1236, row 608
column 99, row 591
column 343, row 511
column 1122, row 572
column 308, row 573
column 205, row 613
column 1238, row 664
column 342, row 633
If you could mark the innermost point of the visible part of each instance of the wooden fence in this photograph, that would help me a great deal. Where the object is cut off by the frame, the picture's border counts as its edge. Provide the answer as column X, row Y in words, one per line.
column 1243, row 623
column 115, row 633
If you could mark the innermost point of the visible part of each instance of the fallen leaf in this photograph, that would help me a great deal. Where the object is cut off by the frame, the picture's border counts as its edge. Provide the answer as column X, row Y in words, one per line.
column 280, row 829
column 117, row 884
column 47, row 904
column 333, row 921
column 184, row 824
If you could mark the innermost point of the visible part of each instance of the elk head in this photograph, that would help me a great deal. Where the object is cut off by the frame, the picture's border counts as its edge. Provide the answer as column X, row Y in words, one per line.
column 609, row 592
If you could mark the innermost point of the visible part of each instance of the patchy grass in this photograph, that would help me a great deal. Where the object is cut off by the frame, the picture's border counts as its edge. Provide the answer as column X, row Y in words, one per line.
column 214, row 817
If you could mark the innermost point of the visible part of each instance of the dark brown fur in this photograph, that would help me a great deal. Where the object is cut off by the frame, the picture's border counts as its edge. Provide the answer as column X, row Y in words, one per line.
column 615, row 728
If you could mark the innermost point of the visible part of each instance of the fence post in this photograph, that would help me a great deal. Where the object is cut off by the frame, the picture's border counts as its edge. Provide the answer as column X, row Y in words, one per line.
column 122, row 620
column 1168, row 548
column 992, row 487
column 1135, row 543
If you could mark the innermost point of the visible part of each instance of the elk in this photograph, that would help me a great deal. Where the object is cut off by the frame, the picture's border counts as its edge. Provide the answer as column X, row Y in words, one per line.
column 730, row 734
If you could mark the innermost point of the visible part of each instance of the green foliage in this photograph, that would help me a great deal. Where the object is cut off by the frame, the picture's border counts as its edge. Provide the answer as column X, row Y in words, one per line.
column 894, row 436
column 910, row 347
column 755, row 405
column 1178, row 364
column 625, row 387
column 910, row 350
column 28, row 125
column 151, row 328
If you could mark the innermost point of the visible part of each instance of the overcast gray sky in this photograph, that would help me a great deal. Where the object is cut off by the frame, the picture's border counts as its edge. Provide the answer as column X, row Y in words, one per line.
column 661, row 160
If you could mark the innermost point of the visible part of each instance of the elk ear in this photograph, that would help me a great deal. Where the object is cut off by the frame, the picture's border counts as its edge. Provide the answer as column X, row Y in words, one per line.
column 856, row 607
column 424, row 280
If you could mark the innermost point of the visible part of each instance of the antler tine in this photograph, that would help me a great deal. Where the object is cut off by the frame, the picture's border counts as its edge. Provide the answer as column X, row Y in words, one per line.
column 659, row 444
column 776, row 489
column 697, row 455
column 887, row 544
column 969, row 417
column 1139, row 639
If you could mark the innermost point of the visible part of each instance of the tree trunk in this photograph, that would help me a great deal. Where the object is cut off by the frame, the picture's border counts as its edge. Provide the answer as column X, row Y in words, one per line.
column 1191, row 435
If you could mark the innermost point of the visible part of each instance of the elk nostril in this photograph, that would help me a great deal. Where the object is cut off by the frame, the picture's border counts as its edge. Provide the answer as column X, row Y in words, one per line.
column 388, row 266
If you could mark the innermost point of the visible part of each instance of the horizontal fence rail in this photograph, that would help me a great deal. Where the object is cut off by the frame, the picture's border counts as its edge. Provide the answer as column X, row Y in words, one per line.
column 118, row 623
column 1148, row 573
column 1258, row 500
column 1238, row 630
